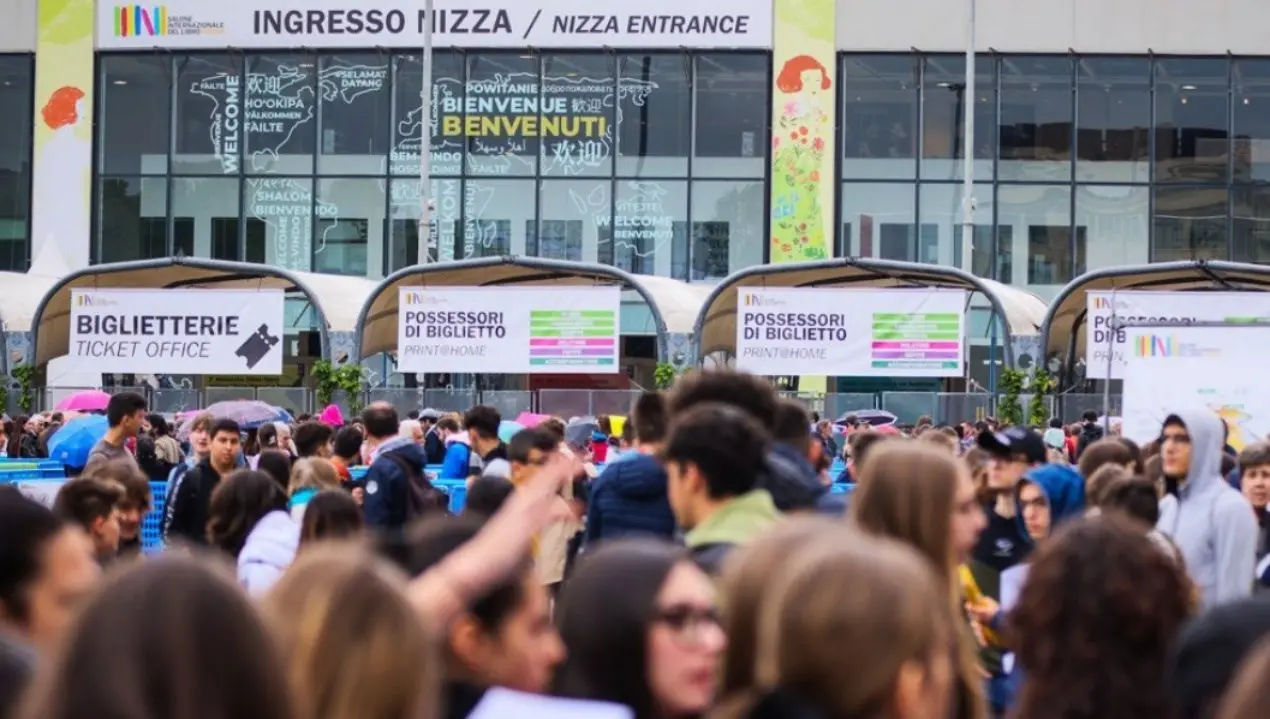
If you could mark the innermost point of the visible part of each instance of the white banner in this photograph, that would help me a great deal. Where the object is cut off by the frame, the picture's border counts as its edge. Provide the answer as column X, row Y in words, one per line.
column 1138, row 307
column 196, row 24
column 851, row 333
column 1218, row 369
column 177, row 331
column 509, row 330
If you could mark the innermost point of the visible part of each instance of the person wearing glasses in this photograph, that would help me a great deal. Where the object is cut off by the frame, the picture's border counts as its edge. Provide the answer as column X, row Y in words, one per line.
column 1209, row 520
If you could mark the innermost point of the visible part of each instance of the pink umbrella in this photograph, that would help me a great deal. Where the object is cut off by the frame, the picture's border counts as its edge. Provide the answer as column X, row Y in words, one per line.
column 93, row 400
column 529, row 419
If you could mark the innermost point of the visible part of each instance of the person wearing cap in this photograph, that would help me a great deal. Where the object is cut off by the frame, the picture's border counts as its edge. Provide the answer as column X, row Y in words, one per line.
column 433, row 443
column 1004, row 543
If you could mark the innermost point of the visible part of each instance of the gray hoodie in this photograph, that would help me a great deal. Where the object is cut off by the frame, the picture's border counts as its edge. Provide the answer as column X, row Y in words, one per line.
column 1210, row 521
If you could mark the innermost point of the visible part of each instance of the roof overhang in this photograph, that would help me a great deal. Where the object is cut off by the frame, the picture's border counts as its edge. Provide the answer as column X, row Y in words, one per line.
column 1061, row 331
column 716, row 325
column 377, row 325
column 50, row 324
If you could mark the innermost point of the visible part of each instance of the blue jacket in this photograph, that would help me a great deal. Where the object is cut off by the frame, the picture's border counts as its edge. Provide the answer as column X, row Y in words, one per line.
column 386, row 483
column 457, row 457
column 629, row 499
column 1209, row 521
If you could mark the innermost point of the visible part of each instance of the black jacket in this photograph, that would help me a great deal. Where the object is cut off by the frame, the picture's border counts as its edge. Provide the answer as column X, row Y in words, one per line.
column 460, row 699
column 434, row 447
column 191, row 496
column 1090, row 432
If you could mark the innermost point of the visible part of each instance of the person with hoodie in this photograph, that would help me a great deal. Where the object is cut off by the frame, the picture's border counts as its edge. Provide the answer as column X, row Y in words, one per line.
column 395, row 462
column 793, row 478
column 1044, row 497
column 1090, row 432
column 457, row 459
column 248, row 520
column 1210, row 522
column 629, row 497
column 713, row 458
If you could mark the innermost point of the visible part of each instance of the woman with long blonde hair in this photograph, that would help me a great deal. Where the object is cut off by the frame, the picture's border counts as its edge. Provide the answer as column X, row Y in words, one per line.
column 849, row 629
column 924, row 498
column 352, row 645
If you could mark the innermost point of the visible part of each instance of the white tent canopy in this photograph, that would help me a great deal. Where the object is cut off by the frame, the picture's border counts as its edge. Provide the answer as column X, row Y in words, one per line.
column 1022, row 311
column 671, row 303
column 332, row 296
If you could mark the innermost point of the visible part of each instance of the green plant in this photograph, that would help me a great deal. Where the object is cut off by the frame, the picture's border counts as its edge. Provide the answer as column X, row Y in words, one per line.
column 330, row 378
column 1040, row 386
column 664, row 375
column 1009, row 408
column 25, row 375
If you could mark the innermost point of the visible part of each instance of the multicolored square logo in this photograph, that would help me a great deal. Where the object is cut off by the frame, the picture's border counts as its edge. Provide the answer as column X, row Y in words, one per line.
column 141, row 21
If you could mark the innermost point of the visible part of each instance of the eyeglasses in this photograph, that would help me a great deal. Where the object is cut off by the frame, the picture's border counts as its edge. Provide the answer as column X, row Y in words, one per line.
column 688, row 623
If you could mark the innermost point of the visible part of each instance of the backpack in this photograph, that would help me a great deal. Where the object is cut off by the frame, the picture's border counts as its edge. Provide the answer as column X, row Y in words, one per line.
column 422, row 498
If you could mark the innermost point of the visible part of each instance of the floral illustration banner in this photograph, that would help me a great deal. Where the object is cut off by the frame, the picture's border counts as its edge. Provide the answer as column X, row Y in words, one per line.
column 62, row 181
column 803, row 116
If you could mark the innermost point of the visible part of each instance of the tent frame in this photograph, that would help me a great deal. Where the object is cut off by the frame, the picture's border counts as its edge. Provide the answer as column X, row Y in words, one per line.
column 233, row 272
column 913, row 274
column 542, row 269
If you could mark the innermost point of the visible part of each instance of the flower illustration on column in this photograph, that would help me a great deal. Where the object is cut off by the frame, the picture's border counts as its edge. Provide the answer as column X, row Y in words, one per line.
column 804, row 88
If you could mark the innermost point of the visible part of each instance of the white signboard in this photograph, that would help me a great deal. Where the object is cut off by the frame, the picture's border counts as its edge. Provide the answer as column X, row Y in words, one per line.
column 195, row 24
column 1183, row 307
column 509, row 330
column 1217, row 369
column 851, row 333
column 177, row 331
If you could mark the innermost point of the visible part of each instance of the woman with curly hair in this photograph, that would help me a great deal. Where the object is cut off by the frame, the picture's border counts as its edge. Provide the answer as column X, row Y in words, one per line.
column 1094, row 622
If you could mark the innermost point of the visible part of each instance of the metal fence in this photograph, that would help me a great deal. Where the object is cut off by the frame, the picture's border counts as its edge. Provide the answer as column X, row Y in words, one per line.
column 945, row 407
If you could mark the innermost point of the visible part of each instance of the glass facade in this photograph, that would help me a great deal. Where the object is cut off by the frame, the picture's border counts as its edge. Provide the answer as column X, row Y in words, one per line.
column 655, row 163
column 17, row 81
column 1081, row 162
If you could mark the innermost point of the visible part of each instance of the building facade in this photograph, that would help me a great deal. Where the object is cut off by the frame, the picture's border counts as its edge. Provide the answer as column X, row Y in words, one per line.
column 687, row 140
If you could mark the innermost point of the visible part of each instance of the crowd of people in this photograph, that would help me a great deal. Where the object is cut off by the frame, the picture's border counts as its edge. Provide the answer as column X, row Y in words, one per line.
column 698, row 563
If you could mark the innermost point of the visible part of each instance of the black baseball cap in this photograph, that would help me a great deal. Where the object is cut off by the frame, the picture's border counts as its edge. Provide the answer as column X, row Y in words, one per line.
column 1013, row 442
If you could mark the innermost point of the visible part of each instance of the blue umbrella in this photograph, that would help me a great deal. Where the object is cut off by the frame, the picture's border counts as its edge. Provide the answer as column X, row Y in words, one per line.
column 508, row 429
column 71, row 444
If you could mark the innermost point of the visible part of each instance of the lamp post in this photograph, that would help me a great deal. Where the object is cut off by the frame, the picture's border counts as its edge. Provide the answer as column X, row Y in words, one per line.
column 425, row 139
column 968, row 150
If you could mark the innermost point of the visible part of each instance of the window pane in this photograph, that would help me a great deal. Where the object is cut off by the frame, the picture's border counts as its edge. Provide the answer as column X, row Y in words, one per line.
column 281, row 103
column 404, row 234
column 132, row 218
column 574, row 221
column 355, row 108
column 1252, row 121
column 132, row 126
column 1190, row 224
column 497, row 215
column 1191, row 109
column 1035, row 128
column 941, row 222
column 943, row 95
column 654, row 114
column 1116, row 220
column 576, row 122
column 732, row 116
column 1041, row 218
column 282, row 210
column 1252, row 224
column 650, row 227
column 727, row 228
column 878, row 220
column 501, row 118
column 350, row 226
column 212, row 203
column 879, row 116
column 17, row 74
column 209, row 115
column 447, row 102
column 1113, row 101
